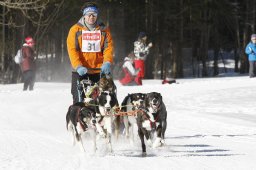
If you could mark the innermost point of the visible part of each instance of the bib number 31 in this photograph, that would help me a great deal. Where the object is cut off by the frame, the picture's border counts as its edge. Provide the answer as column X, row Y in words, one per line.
column 91, row 41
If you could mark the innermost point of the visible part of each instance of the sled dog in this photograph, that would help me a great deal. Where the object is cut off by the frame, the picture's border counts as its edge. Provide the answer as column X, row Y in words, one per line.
column 78, row 121
column 152, row 121
column 131, row 103
column 106, row 102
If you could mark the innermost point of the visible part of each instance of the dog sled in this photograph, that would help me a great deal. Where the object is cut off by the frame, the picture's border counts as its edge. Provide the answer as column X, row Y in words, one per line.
column 98, row 105
column 100, row 112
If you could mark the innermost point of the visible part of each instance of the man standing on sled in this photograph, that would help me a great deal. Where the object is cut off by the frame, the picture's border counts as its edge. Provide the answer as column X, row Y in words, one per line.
column 90, row 47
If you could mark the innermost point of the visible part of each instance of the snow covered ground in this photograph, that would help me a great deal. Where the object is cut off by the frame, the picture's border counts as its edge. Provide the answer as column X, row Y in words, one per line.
column 211, row 126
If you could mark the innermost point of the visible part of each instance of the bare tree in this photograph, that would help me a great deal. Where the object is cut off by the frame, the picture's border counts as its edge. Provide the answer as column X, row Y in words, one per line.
column 27, row 17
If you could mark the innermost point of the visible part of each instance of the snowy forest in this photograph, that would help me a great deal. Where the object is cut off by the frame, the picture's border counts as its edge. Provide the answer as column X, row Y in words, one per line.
column 193, row 38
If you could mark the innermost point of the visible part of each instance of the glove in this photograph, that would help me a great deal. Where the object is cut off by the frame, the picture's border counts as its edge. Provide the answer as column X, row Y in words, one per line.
column 81, row 70
column 150, row 45
column 105, row 68
column 141, row 54
column 252, row 52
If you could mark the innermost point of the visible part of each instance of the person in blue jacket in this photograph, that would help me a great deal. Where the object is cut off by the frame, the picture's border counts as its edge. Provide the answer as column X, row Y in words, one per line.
column 251, row 51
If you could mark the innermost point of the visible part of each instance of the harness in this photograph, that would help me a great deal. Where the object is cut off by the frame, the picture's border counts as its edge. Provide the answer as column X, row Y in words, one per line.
column 82, row 123
column 153, row 123
column 146, row 116
column 91, row 89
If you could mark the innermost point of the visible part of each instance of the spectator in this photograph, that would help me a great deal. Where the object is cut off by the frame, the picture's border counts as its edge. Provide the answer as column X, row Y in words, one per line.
column 251, row 51
column 27, row 65
column 129, row 71
column 90, row 49
column 141, row 51
column 168, row 80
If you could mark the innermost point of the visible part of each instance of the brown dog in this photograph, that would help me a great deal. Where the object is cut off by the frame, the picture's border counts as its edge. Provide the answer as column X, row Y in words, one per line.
column 107, row 84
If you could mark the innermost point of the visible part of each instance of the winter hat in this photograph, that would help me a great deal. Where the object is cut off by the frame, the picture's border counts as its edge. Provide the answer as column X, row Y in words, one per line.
column 253, row 36
column 29, row 40
column 90, row 9
column 142, row 35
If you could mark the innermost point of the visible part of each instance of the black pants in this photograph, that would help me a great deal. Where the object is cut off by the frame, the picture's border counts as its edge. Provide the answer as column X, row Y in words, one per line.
column 76, row 92
column 29, row 79
column 252, row 69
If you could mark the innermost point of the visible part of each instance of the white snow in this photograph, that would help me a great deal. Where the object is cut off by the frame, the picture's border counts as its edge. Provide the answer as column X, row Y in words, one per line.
column 211, row 126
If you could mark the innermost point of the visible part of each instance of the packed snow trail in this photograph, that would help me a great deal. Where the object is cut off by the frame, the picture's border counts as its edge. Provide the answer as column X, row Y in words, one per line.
column 211, row 125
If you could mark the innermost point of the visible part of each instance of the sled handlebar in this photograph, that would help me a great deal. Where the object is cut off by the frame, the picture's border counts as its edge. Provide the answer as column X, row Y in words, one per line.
column 94, row 69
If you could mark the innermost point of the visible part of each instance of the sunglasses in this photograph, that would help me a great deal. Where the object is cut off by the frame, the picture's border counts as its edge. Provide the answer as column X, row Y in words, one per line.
column 91, row 14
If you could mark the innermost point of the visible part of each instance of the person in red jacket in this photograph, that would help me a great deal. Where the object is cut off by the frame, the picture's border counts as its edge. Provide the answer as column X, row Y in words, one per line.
column 141, row 50
column 27, row 65
column 129, row 71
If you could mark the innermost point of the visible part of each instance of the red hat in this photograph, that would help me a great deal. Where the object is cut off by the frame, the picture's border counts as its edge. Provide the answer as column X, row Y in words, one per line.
column 29, row 41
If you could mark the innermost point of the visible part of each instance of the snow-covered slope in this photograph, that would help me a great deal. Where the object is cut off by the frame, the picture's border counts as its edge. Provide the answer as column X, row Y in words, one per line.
column 211, row 125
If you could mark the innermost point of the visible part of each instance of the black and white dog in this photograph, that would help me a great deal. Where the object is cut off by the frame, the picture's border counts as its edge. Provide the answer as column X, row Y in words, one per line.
column 152, row 120
column 132, row 103
column 79, row 119
column 107, row 84
column 106, row 102
column 96, row 117
column 155, row 121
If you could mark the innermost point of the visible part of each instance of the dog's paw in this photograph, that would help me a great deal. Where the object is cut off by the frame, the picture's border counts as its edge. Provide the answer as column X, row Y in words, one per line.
column 144, row 154
column 157, row 143
column 149, row 142
column 100, row 130
column 102, row 134
column 162, row 141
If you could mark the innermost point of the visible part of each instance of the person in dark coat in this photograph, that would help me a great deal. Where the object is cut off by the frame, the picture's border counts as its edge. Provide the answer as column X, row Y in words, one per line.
column 27, row 65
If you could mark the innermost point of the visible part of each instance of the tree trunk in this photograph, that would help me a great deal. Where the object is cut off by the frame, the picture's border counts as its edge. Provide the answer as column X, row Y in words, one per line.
column 2, row 60
column 180, row 44
column 244, row 60
column 216, row 53
column 237, row 51
column 174, row 64
column 204, row 42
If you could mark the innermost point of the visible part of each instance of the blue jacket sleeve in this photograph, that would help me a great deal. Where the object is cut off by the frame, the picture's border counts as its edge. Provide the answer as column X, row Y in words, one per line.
column 249, row 49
